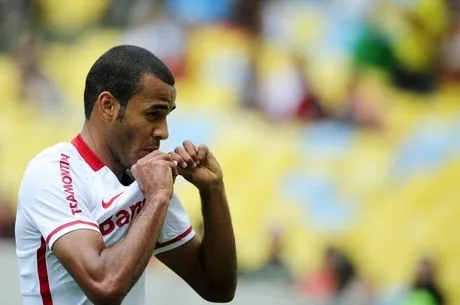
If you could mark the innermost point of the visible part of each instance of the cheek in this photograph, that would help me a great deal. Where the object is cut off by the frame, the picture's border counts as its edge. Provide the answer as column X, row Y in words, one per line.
column 124, row 137
column 129, row 136
column 136, row 138
column 133, row 135
column 144, row 132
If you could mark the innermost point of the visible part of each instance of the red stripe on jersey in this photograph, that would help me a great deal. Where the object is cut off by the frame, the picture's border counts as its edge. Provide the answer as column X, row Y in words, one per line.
column 169, row 242
column 87, row 154
column 66, row 225
column 42, row 270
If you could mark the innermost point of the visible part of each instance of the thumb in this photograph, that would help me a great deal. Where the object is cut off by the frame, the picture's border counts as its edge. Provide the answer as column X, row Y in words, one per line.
column 133, row 171
column 175, row 173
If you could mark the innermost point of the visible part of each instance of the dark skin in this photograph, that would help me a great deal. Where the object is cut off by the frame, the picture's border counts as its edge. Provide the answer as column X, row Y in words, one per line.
column 129, row 139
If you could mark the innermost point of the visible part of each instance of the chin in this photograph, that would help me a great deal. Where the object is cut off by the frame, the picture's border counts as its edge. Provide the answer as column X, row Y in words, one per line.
column 129, row 162
column 142, row 155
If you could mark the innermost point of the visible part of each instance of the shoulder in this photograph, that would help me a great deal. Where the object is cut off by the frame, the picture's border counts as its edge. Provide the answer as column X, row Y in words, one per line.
column 51, row 167
column 50, row 159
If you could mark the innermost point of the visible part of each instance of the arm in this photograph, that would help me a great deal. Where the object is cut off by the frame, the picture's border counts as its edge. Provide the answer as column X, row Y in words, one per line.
column 218, row 250
column 208, row 266
column 107, row 274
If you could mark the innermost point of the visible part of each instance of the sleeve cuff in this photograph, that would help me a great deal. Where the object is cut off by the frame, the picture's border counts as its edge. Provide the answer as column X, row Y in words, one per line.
column 175, row 242
column 69, row 227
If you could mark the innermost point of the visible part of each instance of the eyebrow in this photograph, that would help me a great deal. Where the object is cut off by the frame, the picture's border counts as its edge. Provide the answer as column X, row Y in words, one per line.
column 160, row 107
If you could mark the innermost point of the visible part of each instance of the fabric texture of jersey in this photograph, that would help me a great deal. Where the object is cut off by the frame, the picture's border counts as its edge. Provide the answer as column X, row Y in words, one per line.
column 65, row 188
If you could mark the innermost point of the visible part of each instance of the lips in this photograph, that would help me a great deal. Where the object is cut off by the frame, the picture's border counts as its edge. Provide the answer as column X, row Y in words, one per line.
column 150, row 149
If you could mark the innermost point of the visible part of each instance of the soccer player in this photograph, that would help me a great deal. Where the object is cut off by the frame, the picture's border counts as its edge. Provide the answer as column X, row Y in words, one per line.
column 92, row 212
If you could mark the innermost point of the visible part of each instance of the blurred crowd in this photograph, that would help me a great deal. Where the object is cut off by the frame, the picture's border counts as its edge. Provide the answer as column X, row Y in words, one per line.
column 302, row 62
column 275, row 48
column 338, row 281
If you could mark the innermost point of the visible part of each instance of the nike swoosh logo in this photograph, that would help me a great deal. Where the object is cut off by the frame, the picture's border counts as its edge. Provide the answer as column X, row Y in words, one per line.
column 107, row 204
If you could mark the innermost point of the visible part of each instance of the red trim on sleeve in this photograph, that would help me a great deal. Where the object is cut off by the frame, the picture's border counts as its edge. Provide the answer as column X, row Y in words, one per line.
column 66, row 225
column 44, row 284
column 87, row 154
column 177, row 238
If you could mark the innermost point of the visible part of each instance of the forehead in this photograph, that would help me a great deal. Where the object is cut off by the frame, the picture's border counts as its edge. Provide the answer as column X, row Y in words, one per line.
column 154, row 90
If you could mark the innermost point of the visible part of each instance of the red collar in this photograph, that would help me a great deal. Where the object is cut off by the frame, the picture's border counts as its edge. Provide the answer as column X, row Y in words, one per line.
column 87, row 154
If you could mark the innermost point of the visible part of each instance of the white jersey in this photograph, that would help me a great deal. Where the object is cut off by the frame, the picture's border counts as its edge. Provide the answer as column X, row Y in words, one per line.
column 65, row 188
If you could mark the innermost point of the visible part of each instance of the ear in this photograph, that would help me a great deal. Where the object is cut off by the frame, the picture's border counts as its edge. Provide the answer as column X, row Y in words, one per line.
column 107, row 105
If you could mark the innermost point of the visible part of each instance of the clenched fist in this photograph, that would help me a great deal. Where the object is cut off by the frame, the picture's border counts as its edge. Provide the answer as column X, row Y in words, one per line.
column 197, row 165
column 155, row 174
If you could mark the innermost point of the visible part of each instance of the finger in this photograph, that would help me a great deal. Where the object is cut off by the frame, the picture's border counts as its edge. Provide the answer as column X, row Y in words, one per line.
column 191, row 150
column 175, row 172
column 157, row 155
column 180, row 161
column 202, row 152
column 185, row 156
column 173, row 167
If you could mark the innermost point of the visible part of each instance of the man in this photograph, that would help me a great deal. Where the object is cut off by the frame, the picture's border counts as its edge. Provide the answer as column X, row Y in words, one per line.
column 85, row 231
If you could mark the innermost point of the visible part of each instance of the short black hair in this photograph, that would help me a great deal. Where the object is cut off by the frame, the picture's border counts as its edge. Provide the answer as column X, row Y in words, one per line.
column 119, row 71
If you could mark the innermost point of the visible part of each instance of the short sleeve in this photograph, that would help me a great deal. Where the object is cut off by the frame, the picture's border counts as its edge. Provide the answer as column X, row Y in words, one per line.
column 177, row 229
column 52, row 197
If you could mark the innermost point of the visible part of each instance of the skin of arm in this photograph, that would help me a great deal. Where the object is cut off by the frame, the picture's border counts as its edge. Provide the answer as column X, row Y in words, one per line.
column 209, row 265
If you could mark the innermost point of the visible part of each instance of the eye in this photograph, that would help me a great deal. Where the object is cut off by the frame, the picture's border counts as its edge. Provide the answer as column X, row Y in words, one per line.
column 153, row 115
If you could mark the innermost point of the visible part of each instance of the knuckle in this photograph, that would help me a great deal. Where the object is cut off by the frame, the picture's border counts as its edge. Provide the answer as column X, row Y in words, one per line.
column 159, row 157
column 164, row 163
column 159, row 161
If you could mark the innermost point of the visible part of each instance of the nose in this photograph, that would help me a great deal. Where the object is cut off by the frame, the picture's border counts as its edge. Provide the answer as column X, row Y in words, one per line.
column 160, row 132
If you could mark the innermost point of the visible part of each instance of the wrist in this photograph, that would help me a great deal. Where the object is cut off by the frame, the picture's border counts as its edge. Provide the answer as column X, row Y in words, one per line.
column 217, row 186
column 158, row 197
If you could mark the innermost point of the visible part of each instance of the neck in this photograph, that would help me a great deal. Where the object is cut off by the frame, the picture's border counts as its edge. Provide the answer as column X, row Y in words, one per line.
column 98, row 144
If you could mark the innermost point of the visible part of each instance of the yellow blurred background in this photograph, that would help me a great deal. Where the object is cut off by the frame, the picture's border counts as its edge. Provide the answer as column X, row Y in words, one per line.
column 336, row 122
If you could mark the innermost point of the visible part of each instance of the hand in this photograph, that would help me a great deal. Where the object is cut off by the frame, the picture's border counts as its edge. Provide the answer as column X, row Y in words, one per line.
column 197, row 165
column 155, row 174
